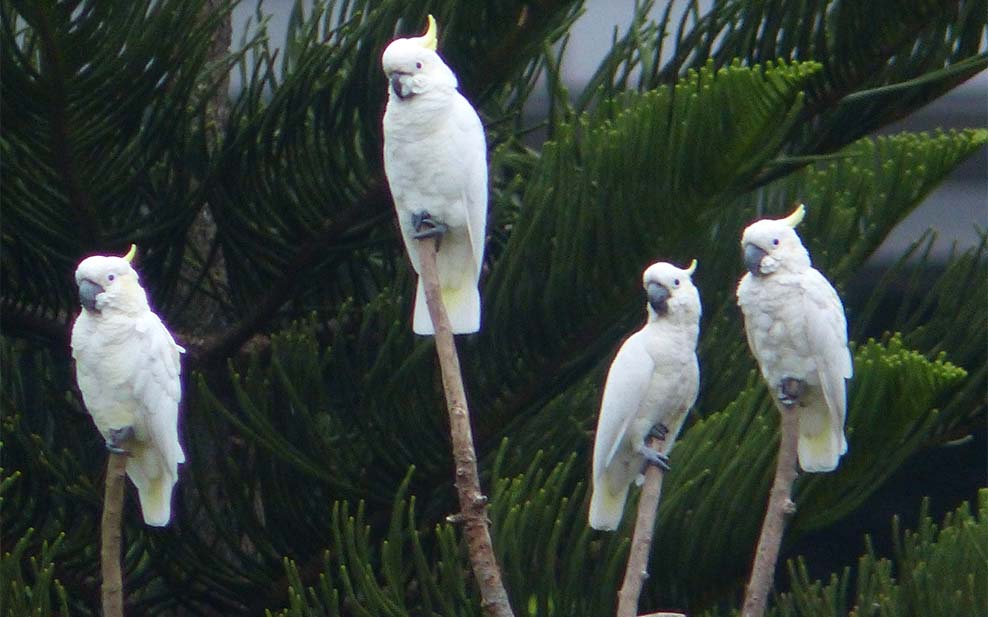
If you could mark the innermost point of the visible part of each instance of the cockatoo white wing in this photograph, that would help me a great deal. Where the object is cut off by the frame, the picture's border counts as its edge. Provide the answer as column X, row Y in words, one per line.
column 627, row 383
column 473, row 146
column 156, row 453
column 157, row 385
column 826, row 333
column 614, row 470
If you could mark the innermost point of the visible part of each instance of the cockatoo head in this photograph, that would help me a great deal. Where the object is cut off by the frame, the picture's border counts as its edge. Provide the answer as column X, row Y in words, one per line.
column 413, row 67
column 772, row 244
column 107, row 282
column 670, row 291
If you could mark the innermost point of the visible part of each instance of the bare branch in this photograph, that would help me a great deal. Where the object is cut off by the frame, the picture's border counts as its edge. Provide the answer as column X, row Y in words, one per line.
column 641, row 542
column 779, row 506
column 112, row 588
column 473, row 503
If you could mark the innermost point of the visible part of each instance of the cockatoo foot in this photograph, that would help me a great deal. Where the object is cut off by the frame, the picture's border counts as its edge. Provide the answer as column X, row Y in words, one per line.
column 119, row 436
column 654, row 458
column 790, row 390
column 428, row 227
column 659, row 431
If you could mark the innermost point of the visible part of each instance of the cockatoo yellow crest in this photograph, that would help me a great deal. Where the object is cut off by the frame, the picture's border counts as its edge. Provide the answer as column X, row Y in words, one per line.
column 650, row 387
column 127, row 366
column 797, row 332
column 435, row 159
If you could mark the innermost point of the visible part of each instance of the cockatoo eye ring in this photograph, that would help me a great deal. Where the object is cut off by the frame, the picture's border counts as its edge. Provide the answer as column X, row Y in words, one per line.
column 110, row 277
column 676, row 282
column 418, row 65
column 775, row 242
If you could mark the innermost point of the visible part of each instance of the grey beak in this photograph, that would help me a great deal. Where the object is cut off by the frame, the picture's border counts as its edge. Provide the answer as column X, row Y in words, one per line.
column 753, row 259
column 88, row 291
column 398, row 86
column 658, row 295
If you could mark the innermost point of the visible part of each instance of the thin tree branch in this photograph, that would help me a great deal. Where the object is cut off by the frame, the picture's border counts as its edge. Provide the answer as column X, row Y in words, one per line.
column 112, row 588
column 779, row 507
column 221, row 346
column 473, row 503
column 19, row 320
column 641, row 542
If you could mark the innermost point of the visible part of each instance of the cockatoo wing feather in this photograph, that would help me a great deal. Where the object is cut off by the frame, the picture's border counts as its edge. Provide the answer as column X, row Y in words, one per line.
column 625, row 388
column 473, row 146
column 826, row 331
column 157, row 385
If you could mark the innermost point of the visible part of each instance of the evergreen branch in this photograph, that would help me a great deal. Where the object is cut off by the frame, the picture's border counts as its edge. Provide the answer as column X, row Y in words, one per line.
column 473, row 503
column 86, row 216
column 964, row 68
column 375, row 202
column 779, row 506
column 112, row 585
column 913, row 24
column 21, row 321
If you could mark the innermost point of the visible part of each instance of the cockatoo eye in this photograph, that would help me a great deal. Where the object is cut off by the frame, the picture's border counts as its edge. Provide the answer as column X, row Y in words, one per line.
column 418, row 65
column 110, row 277
column 775, row 242
column 675, row 282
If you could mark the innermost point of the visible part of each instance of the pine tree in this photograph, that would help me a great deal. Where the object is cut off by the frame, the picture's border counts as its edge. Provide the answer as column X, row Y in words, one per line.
column 319, row 478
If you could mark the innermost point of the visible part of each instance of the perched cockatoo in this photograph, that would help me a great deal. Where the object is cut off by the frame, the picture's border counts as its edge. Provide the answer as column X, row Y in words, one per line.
column 127, row 366
column 435, row 158
column 798, row 333
column 650, row 387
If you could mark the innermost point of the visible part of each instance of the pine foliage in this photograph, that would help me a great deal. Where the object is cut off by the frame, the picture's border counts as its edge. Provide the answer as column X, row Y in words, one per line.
column 319, row 479
column 935, row 570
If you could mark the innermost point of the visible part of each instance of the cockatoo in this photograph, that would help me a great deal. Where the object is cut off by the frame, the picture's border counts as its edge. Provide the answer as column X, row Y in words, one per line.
column 435, row 158
column 650, row 387
column 798, row 333
column 127, row 366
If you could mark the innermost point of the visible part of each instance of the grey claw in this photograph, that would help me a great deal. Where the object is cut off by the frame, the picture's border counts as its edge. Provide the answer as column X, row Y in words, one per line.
column 119, row 436
column 655, row 458
column 427, row 227
column 659, row 431
column 790, row 390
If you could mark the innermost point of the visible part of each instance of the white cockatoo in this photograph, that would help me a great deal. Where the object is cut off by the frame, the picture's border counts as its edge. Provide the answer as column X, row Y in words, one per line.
column 435, row 158
column 127, row 366
column 797, row 331
column 650, row 387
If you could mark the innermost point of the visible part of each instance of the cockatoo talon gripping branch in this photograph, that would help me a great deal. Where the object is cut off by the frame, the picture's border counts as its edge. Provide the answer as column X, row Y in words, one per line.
column 127, row 366
column 435, row 159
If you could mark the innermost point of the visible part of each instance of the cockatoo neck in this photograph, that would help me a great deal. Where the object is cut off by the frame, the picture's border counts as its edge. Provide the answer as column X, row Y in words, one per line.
column 796, row 260
column 423, row 108
column 679, row 316
column 127, row 298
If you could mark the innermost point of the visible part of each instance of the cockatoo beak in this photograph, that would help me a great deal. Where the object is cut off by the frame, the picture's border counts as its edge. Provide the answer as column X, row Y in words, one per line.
column 658, row 295
column 88, row 291
column 401, row 84
column 753, row 259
